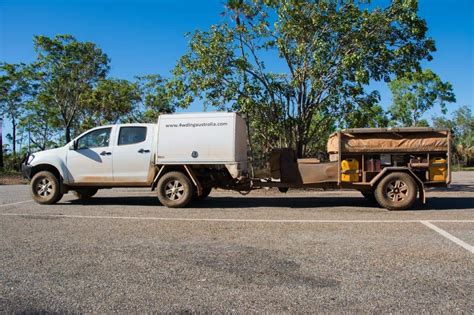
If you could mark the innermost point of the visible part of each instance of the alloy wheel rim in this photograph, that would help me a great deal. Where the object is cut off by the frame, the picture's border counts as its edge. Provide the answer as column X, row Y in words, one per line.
column 397, row 190
column 174, row 190
column 44, row 188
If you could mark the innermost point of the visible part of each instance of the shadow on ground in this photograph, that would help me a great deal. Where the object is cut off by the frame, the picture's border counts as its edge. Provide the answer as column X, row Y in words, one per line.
column 455, row 188
column 433, row 203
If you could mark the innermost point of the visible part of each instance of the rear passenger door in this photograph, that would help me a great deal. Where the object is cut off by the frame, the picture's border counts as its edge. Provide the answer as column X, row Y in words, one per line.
column 132, row 155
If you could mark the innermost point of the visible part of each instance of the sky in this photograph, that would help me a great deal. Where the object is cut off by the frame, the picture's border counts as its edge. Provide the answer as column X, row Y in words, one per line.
column 147, row 37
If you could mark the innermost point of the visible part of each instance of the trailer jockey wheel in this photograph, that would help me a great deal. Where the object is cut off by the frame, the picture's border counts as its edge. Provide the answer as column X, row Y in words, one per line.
column 396, row 191
column 175, row 190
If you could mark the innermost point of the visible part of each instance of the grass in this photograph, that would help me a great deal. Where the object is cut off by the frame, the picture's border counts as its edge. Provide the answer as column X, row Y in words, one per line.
column 12, row 178
column 466, row 168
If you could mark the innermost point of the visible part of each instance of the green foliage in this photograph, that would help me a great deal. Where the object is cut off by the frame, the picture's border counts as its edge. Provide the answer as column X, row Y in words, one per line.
column 111, row 101
column 17, row 88
column 416, row 93
column 368, row 114
column 462, row 124
column 40, row 124
column 330, row 49
column 156, row 97
column 66, row 91
column 69, row 69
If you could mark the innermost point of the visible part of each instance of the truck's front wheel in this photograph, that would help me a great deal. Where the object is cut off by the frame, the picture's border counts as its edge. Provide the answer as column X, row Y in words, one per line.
column 396, row 191
column 175, row 190
column 45, row 188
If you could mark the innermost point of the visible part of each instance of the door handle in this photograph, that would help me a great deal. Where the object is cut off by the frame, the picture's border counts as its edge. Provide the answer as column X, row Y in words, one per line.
column 143, row 151
column 105, row 153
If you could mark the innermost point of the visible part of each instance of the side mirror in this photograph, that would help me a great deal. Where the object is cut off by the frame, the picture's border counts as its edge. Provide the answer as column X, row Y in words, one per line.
column 73, row 146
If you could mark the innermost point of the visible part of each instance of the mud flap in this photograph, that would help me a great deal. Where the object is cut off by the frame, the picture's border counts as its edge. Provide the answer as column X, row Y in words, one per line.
column 194, row 180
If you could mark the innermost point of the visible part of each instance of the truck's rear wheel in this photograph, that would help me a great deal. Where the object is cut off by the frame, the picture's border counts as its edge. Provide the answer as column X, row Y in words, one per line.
column 396, row 191
column 85, row 193
column 45, row 188
column 175, row 190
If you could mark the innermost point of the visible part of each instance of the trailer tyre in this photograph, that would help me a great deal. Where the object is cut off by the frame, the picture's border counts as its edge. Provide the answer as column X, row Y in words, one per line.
column 396, row 191
column 85, row 193
column 175, row 190
column 45, row 188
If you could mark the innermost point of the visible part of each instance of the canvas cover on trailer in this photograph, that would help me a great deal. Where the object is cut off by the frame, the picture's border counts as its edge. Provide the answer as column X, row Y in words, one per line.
column 402, row 140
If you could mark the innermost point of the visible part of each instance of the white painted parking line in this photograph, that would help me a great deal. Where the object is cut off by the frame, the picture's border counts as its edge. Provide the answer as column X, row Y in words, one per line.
column 450, row 237
column 15, row 203
column 222, row 219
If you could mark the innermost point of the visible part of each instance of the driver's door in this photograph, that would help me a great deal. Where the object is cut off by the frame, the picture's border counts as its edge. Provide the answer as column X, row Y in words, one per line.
column 90, row 162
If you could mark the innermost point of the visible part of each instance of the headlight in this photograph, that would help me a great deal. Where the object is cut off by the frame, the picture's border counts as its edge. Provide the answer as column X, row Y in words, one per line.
column 30, row 159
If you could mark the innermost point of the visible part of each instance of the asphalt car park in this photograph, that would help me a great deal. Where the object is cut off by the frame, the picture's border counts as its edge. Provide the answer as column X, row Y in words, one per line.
column 304, row 251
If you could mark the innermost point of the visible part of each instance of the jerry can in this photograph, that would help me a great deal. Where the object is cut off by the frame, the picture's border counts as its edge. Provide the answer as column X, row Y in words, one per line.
column 438, row 169
column 350, row 170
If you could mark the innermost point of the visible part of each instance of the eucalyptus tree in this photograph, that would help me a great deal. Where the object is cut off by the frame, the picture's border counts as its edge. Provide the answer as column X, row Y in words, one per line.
column 70, row 70
column 156, row 97
column 15, row 90
column 416, row 93
column 111, row 101
column 291, row 65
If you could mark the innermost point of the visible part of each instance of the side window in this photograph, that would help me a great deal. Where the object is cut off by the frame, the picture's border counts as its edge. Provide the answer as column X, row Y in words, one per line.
column 95, row 139
column 131, row 135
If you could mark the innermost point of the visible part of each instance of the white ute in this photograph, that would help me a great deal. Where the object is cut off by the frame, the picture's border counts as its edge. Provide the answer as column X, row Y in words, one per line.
column 183, row 157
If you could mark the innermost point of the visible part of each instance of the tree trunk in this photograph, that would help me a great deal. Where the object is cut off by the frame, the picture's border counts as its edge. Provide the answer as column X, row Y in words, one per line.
column 1, row 145
column 68, row 134
column 14, row 140
column 299, row 149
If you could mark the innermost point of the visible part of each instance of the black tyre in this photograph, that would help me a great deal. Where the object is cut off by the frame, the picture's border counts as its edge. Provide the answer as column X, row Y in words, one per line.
column 396, row 191
column 206, row 191
column 85, row 193
column 45, row 188
column 283, row 189
column 175, row 190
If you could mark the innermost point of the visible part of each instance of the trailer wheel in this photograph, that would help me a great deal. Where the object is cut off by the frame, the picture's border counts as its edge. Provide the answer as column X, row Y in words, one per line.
column 175, row 190
column 45, row 188
column 85, row 193
column 396, row 191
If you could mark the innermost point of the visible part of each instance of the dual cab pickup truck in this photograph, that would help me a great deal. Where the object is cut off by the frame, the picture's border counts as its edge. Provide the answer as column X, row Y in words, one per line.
column 184, row 156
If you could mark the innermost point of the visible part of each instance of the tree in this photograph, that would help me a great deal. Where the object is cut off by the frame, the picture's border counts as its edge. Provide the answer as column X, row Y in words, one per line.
column 15, row 89
column 40, row 123
column 70, row 70
column 416, row 93
column 110, row 102
column 322, row 55
column 462, row 124
column 156, row 97
column 367, row 114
